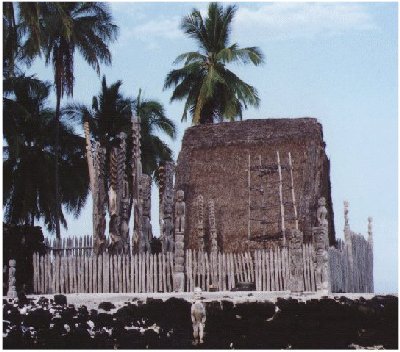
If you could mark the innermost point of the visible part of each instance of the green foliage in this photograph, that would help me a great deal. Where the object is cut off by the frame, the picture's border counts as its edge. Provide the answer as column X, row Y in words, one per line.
column 66, row 26
column 29, row 156
column 212, row 92
column 57, row 29
column 110, row 114
column 152, row 119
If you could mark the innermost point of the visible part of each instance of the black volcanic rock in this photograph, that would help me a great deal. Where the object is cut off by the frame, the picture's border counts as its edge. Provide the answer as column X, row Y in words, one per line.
column 290, row 323
column 68, row 315
column 38, row 319
column 103, row 320
column 107, row 306
column 43, row 301
column 11, row 314
column 60, row 299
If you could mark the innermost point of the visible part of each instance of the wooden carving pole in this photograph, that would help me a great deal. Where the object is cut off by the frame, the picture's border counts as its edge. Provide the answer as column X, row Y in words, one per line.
column 296, row 221
column 123, row 196
column 136, row 175
column 99, row 200
column 146, row 235
column 168, row 208
column 12, row 292
column 113, row 198
column 200, row 223
column 118, row 196
column 370, row 237
column 350, row 285
column 89, row 155
column 281, row 199
column 90, row 162
column 180, row 212
column 161, row 187
column 320, row 237
column 296, row 260
column 370, row 257
column 213, row 229
column 96, row 161
column 214, row 244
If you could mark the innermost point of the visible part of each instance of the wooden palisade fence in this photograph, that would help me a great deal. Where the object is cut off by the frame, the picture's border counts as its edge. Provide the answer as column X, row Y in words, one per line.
column 351, row 265
column 105, row 273
column 71, row 245
column 68, row 271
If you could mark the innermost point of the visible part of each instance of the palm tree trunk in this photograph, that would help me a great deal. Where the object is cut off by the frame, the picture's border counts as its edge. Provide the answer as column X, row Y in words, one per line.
column 57, row 152
column 206, row 114
column 8, row 10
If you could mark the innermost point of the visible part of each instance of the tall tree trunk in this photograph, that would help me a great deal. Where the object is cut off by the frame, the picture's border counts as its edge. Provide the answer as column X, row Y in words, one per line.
column 57, row 147
column 207, row 113
column 8, row 10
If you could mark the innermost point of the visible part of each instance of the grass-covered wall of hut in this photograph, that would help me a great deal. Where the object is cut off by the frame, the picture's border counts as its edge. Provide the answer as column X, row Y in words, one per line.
column 214, row 162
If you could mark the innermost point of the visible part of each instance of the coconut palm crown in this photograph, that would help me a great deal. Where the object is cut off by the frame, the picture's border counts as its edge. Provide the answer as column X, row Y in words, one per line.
column 212, row 91
column 28, row 157
column 111, row 113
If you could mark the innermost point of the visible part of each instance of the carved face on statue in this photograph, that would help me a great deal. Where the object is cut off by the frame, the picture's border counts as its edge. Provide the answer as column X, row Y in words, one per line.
column 145, row 184
column 295, row 239
column 322, row 212
column 180, row 195
column 168, row 207
column 168, row 227
column 197, row 293
column 146, row 207
column 320, row 241
column 112, row 196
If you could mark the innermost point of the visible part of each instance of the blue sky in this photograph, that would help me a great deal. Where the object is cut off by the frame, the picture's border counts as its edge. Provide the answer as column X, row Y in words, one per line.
column 333, row 61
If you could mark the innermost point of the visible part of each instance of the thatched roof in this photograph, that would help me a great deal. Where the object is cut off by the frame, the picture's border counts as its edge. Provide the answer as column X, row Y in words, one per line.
column 231, row 133
column 213, row 162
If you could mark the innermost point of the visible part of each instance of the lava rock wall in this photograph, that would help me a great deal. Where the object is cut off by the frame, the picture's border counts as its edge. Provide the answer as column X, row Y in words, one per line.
column 338, row 323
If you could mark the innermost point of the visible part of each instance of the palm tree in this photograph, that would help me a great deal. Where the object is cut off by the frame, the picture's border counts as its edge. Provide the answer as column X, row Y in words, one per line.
column 21, row 35
column 212, row 92
column 29, row 155
column 152, row 118
column 66, row 26
column 10, row 39
column 110, row 114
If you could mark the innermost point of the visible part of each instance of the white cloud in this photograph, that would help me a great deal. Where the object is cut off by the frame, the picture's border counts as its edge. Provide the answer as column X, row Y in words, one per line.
column 301, row 20
column 132, row 10
column 163, row 28
column 269, row 21
column 152, row 32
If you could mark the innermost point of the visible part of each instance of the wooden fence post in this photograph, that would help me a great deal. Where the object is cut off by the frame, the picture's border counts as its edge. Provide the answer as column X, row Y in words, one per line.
column 136, row 259
column 155, row 277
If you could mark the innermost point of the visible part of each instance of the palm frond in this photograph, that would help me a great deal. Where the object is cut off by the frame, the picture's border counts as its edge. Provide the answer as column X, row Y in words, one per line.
column 190, row 57
column 193, row 26
column 211, row 92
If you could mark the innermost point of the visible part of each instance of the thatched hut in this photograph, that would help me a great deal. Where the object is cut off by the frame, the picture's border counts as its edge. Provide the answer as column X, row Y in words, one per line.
column 214, row 162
